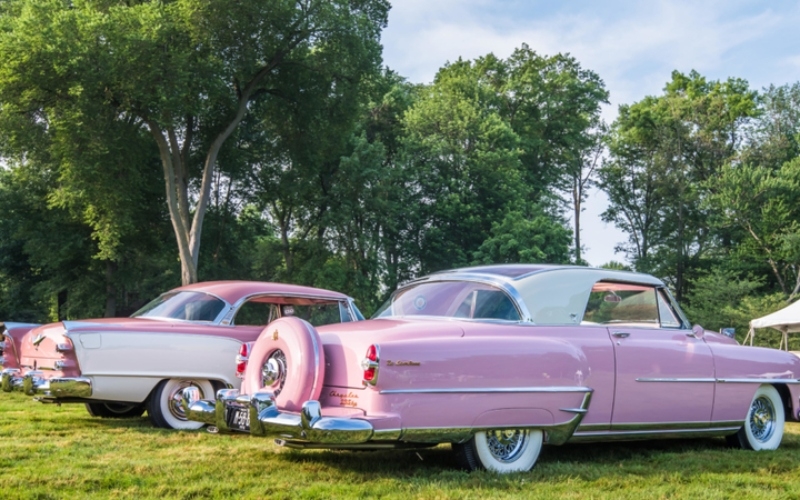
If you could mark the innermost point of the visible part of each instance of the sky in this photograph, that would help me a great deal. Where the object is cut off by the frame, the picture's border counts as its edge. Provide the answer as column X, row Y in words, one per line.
column 632, row 45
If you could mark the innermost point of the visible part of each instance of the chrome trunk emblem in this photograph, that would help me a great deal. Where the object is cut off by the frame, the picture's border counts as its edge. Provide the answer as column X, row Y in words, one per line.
column 38, row 340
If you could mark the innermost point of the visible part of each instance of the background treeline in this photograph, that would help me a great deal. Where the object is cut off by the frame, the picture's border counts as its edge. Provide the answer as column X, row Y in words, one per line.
column 146, row 144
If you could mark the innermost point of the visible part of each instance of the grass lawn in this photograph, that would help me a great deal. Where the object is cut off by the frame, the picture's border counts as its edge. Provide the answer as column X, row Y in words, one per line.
column 50, row 452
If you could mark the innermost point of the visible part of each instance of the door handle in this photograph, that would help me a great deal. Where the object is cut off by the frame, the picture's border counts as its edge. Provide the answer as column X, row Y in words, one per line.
column 621, row 335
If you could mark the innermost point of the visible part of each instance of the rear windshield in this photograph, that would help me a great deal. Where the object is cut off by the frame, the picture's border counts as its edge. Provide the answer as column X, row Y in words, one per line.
column 452, row 299
column 187, row 306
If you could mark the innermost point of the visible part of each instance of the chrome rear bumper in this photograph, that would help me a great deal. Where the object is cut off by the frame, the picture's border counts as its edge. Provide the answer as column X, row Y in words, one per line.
column 34, row 384
column 265, row 419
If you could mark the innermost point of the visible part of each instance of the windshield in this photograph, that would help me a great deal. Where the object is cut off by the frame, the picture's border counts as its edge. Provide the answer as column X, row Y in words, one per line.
column 453, row 299
column 187, row 306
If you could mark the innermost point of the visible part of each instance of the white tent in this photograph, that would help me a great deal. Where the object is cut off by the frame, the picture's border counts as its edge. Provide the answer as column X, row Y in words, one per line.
column 787, row 320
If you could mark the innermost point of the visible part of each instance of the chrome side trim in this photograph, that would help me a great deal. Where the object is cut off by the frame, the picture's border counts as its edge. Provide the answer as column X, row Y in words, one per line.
column 485, row 390
column 724, row 380
column 682, row 380
column 758, row 380
column 574, row 410
column 712, row 430
column 560, row 434
column 670, row 426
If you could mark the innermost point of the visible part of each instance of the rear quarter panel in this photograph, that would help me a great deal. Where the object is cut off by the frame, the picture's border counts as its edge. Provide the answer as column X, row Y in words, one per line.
column 127, row 366
column 496, row 374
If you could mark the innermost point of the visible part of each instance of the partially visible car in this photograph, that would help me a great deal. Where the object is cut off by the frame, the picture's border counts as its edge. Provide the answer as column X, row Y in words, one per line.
column 11, row 334
column 499, row 360
column 187, row 337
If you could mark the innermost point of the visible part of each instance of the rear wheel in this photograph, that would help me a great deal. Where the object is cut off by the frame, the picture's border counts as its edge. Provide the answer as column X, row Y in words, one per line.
column 503, row 451
column 115, row 410
column 763, row 426
column 164, row 406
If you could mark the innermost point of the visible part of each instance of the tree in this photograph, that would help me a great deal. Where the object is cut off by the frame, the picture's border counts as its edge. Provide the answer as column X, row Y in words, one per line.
column 765, row 204
column 662, row 150
column 188, row 72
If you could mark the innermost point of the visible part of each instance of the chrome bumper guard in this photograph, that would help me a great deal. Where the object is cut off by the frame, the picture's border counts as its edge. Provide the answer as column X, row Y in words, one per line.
column 267, row 420
column 33, row 384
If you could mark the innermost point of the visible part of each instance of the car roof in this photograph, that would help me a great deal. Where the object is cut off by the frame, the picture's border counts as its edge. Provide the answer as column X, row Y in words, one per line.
column 231, row 291
column 519, row 272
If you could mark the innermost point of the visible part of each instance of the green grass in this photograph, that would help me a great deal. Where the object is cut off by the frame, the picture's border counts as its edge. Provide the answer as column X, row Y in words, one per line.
column 50, row 452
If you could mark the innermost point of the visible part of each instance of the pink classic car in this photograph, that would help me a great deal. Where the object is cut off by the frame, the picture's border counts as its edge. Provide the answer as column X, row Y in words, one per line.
column 499, row 360
column 185, row 338
column 10, row 339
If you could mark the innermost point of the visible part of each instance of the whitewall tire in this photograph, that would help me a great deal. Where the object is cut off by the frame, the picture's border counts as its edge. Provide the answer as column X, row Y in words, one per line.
column 501, row 451
column 164, row 406
column 763, row 426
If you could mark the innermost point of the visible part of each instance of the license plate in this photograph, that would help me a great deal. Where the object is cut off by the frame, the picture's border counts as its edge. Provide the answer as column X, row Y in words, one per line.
column 239, row 419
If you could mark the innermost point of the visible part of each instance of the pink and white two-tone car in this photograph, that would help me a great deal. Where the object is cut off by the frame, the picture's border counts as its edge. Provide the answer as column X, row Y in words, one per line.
column 120, row 367
column 499, row 360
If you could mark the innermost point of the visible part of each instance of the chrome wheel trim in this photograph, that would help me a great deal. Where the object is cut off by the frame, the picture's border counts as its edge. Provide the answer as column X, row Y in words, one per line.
column 762, row 419
column 506, row 445
column 175, row 398
column 273, row 372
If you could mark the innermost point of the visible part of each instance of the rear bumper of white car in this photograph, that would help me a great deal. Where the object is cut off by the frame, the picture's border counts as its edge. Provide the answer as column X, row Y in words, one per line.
column 33, row 383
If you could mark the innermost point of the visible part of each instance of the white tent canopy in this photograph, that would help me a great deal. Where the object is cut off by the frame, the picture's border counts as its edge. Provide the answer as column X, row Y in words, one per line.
column 787, row 320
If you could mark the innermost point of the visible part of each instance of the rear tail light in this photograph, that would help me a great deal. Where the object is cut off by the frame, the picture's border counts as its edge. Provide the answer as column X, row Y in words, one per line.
column 241, row 359
column 370, row 364
column 64, row 347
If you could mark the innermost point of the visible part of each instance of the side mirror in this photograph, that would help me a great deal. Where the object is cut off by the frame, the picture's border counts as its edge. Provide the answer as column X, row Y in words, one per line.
column 729, row 332
column 697, row 332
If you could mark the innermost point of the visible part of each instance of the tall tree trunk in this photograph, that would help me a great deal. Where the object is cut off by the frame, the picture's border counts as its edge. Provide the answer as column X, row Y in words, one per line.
column 577, row 195
column 61, row 304
column 111, row 290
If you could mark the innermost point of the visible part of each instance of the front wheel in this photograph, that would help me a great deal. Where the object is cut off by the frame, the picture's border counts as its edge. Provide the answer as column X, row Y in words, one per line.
column 115, row 410
column 502, row 451
column 164, row 406
column 763, row 426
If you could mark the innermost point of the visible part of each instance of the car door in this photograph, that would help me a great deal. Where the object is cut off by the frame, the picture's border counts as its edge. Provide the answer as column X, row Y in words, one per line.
column 664, row 374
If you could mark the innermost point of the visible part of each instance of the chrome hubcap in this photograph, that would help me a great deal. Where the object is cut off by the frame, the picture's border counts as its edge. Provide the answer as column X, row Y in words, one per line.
column 273, row 373
column 506, row 445
column 176, row 397
column 762, row 419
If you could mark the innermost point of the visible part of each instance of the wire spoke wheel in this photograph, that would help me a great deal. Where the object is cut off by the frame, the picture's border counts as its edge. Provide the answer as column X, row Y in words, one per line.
column 763, row 425
column 506, row 446
column 762, row 419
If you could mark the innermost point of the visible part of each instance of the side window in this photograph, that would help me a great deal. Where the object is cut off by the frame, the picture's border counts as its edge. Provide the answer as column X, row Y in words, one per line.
column 487, row 304
column 451, row 299
column 254, row 313
column 622, row 303
column 316, row 314
column 668, row 317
